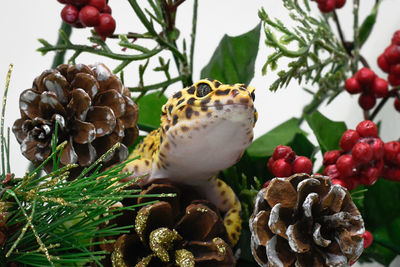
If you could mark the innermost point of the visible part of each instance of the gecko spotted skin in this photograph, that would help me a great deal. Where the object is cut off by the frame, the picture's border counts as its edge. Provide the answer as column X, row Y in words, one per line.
column 204, row 129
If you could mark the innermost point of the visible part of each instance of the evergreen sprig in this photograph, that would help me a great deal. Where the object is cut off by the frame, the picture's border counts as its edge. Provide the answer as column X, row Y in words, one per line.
column 320, row 57
column 49, row 220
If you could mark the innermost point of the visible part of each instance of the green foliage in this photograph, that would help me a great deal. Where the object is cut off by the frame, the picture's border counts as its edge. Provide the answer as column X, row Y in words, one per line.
column 320, row 59
column 281, row 135
column 328, row 132
column 381, row 214
column 234, row 58
column 368, row 24
column 150, row 110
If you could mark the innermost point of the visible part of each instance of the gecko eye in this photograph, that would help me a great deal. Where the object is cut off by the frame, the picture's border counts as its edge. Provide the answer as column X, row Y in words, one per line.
column 203, row 89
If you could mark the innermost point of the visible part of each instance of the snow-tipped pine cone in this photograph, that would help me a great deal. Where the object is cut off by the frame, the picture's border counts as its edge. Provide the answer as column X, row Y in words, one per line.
column 305, row 221
column 92, row 108
column 184, row 230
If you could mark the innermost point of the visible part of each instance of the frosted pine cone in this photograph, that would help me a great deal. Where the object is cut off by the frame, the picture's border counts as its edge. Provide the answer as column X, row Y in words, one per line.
column 93, row 111
column 304, row 220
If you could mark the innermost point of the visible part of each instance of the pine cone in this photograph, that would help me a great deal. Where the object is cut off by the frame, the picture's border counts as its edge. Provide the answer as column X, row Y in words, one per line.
column 304, row 220
column 93, row 111
column 176, row 231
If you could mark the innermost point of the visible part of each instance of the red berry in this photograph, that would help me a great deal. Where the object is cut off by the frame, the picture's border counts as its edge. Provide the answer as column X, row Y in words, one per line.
column 392, row 54
column 392, row 149
column 328, row 6
column 398, row 159
column 63, row 1
column 368, row 238
column 366, row 101
column 266, row 183
column 395, row 70
column 369, row 176
column 339, row 182
column 69, row 14
column 383, row 64
column 367, row 128
column 380, row 87
column 106, row 26
column 365, row 76
column 330, row 157
column 393, row 79
column 78, row 2
column 281, row 168
column 332, row 172
column 397, row 104
column 89, row 16
column 352, row 86
column 99, row 4
column 392, row 173
column 107, row 9
column 340, row 3
column 283, row 152
column 348, row 139
column 362, row 153
column 396, row 38
column 269, row 164
column 345, row 165
column 302, row 165
column 377, row 148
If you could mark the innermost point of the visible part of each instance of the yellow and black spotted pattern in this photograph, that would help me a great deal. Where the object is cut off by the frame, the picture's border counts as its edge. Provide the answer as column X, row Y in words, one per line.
column 197, row 103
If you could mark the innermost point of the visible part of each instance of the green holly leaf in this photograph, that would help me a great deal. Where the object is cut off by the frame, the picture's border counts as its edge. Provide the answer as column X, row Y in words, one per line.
column 381, row 214
column 302, row 146
column 150, row 111
column 234, row 59
column 283, row 134
column 328, row 132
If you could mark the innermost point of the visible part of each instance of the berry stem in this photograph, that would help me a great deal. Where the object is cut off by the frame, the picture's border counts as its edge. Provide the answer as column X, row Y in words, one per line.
column 392, row 93
column 356, row 30
column 366, row 115
column 340, row 31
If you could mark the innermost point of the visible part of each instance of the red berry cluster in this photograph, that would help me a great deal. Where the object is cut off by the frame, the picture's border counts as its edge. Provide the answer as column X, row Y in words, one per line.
column 391, row 170
column 89, row 13
column 326, row 6
column 361, row 157
column 366, row 82
column 389, row 60
column 284, row 162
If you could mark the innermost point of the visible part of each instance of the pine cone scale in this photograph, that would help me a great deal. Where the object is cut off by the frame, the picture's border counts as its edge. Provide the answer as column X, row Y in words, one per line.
column 84, row 132
column 29, row 103
column 86, row 82
column 56, row 83
column 79, row 104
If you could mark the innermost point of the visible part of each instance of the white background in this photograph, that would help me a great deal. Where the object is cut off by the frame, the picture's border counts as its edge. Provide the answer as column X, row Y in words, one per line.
column 22, row 22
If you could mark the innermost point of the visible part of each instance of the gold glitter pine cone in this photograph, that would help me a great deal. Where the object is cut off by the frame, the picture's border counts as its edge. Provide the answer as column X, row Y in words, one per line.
column 305, row 221
column 92, row 108
column 176, row 231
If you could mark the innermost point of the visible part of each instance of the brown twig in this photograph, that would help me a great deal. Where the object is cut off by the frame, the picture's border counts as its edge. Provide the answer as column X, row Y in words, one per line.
column 392, row 93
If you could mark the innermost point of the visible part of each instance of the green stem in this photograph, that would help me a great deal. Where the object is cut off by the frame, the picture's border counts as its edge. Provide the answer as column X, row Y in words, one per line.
column 156, row 85
column 152, row 31
column 193, row 35
column 90, row 49
column 59, row 57
column 356, row 29
column 3, row 111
